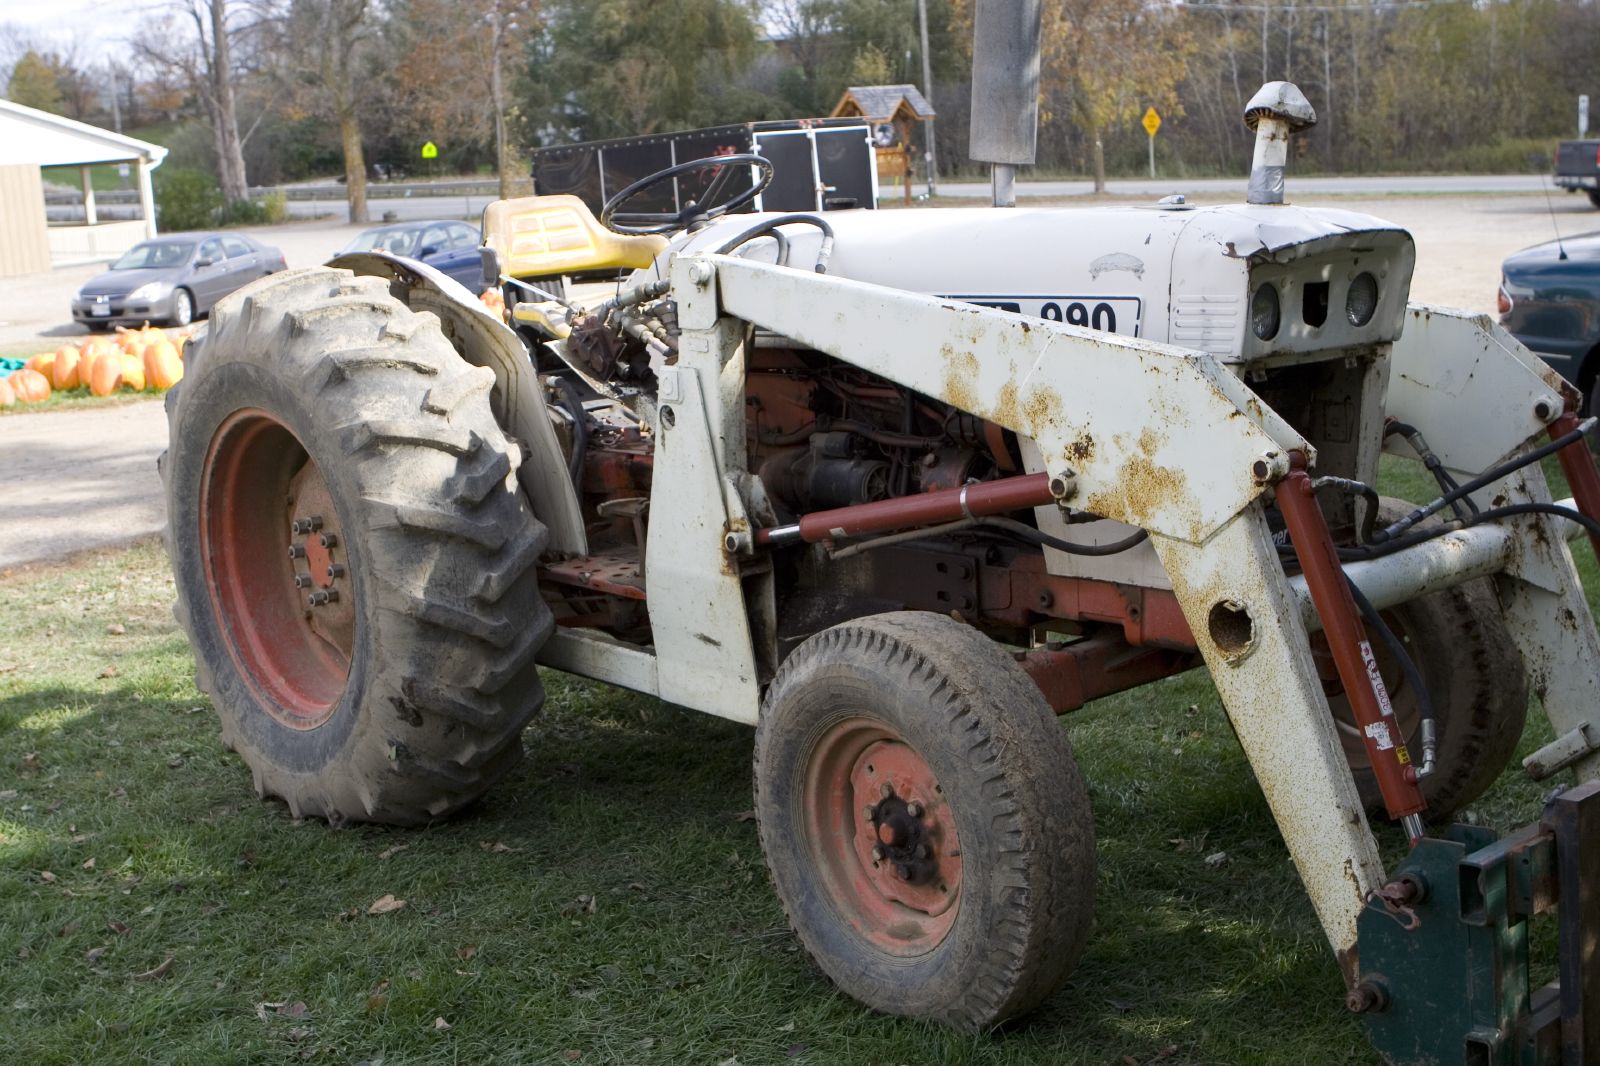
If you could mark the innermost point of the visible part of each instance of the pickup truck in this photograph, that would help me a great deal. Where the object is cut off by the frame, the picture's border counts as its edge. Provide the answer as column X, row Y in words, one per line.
column 1578, row 167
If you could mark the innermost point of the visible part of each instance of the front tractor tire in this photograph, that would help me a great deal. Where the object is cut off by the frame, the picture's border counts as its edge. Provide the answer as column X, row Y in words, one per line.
column 923, row 820
column 355, row 564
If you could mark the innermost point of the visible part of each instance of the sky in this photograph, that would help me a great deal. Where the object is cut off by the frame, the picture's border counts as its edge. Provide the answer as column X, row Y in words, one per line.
column 61, row 23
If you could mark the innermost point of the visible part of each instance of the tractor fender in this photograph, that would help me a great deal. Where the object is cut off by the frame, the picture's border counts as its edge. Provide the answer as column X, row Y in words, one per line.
column 518, row 402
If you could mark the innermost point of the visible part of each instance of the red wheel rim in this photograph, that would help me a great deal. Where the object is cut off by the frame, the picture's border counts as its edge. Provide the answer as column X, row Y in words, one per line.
column 274, row 561
column 882, row 837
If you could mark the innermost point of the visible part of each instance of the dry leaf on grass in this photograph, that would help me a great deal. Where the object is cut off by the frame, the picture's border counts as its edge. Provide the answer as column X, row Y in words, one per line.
column 68, row 929
column 30, row 760
column 465, row 953
column 116, row 629
column 571, row 1055
column 297, row 1034
column 262, row 1009
column 1216, row 859
column 440, row 1024
column 109, row 671
column 581, row 905
column 117, row 927
column 8, row 793
column 389, row 853
column 745, row 816
column 386, row 904
column 89, row 863
column 496, row 847
column 47, row 877
column 93, row 954
column 156, row 974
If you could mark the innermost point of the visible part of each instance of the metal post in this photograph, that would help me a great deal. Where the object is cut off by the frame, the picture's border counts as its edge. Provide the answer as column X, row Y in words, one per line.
column 1152, row 140
column 931, row 157
column 90, row 217
column 1003, row 180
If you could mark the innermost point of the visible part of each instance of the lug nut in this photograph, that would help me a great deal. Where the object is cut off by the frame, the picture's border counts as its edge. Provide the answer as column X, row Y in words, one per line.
column 886, row 790
column 297, row 551
column 302, row 581
column 328, row 540
column 335, row 570
column 878, row 853
column 870, row 812
column 324, row 596
column 903, row 871
column 914, row 809
column 920, row 851
column 300, row 526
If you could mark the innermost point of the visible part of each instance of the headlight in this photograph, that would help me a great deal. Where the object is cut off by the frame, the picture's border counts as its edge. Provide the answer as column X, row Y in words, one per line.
column 1264, row 313
column 1362, row 299
column 153, row 290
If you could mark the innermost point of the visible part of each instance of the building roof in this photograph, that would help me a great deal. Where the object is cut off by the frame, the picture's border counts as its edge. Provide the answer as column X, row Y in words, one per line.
column 28, row 135
column 884, row 103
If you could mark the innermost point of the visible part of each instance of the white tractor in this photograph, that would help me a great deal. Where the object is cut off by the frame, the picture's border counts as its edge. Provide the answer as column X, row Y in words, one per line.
column 897, row 488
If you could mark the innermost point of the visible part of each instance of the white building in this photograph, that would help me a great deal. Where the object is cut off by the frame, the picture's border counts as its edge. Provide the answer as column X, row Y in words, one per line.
column 31, row 139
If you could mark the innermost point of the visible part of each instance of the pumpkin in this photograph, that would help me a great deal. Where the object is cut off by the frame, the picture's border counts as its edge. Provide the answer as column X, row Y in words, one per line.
column 162, row 367
column 30, row 386
column 8, row 395
column 66, row 372
column 133, row 372
column 105, row 375
column 42, row 363
column 95, row 347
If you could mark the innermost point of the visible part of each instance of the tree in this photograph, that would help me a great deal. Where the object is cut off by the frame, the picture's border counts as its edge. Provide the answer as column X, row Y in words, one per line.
column 202, row 57
column 33, row 83
column 329, row 57
column 619, row 67
column 1107, row 60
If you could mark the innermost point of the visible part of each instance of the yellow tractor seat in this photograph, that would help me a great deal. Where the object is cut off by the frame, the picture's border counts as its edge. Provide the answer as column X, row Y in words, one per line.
column 542, row 236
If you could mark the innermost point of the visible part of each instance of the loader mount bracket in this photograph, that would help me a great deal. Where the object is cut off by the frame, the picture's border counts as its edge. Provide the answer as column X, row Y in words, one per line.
column 1444, row 946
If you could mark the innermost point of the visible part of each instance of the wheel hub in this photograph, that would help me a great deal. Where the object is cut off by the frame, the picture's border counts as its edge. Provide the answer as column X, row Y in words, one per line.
column 883, row 837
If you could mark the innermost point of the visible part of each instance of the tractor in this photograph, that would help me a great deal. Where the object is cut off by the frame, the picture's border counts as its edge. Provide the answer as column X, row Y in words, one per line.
column 898, row 488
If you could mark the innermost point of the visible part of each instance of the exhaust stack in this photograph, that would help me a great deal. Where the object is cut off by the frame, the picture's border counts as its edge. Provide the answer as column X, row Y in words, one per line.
column 1277, row 110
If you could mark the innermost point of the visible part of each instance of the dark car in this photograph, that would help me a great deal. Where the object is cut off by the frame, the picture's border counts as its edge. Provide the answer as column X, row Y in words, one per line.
column 449, row 247
column 172, row 279
column 1551, row 303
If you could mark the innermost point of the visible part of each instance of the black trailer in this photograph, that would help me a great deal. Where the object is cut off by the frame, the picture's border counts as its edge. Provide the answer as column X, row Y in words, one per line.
column 819, row 164
column 1578, row 167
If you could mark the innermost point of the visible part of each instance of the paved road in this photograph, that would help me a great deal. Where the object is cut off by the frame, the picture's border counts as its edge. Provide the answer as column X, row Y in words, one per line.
column 330, row 198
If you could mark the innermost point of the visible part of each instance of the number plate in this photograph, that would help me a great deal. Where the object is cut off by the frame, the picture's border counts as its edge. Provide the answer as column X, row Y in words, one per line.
column 1112, row 314
column 99, row 309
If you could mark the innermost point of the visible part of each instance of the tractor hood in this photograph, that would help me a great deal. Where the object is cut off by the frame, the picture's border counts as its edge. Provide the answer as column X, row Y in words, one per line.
column 1173, row 273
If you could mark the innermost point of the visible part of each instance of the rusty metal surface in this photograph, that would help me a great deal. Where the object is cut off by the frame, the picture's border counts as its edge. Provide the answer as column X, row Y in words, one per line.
column 614, row 573
column 1268, row 682
column 1072, row 675
column 1191, row 453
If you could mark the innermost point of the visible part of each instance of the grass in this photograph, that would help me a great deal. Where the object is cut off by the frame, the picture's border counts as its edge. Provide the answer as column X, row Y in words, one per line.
column 606, row 904
column 71, row 399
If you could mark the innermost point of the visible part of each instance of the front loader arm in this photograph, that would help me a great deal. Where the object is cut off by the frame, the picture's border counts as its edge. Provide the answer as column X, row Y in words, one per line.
column 1149, row 434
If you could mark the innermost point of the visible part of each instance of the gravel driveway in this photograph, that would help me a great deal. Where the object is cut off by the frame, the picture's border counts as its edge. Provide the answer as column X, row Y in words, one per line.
column 87, row 478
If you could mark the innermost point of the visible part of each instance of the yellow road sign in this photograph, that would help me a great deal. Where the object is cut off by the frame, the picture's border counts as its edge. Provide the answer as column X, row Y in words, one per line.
column 1151, row 121
column 431, row 150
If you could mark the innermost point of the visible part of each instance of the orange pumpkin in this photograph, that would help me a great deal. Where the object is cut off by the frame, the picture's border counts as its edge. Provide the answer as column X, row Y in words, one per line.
column 66, row 371
column 8, row 395
column 133, row 372
column 42, row 363
column 162, row 367
column 105, row 375
column 30, row 386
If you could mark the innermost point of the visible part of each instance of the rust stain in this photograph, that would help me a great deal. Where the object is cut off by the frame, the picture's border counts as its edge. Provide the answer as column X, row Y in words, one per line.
column 1041, row 405
column 1005, row 407
column 960, row 379
column 1141, row 487
column 1081, row 450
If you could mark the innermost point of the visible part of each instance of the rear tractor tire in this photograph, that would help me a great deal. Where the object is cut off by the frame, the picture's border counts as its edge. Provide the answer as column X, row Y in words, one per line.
column 923, row 820
column 355, row 564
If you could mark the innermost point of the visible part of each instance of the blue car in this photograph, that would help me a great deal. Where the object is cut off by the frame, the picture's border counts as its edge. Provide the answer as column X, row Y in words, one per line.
column 449, row 247
column 1550, row 301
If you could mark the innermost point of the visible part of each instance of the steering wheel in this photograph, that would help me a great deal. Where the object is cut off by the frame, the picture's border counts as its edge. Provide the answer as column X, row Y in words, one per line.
column 693, row 216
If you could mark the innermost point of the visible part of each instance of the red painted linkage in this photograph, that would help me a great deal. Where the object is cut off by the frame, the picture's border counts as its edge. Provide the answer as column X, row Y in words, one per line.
column 1578, row 464
column 1347, row 640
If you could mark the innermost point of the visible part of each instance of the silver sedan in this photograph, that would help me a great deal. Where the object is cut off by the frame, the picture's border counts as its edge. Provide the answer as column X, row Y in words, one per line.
column 172, row 279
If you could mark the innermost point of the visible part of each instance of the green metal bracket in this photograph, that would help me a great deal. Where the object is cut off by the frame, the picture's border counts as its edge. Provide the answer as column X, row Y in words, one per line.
column 1444, row 946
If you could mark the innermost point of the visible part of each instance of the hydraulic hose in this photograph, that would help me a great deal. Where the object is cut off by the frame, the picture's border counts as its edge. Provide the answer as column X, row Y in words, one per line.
column 771, row 225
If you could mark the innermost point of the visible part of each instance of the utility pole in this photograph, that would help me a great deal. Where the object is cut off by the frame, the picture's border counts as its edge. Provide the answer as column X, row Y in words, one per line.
column 930, row 158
